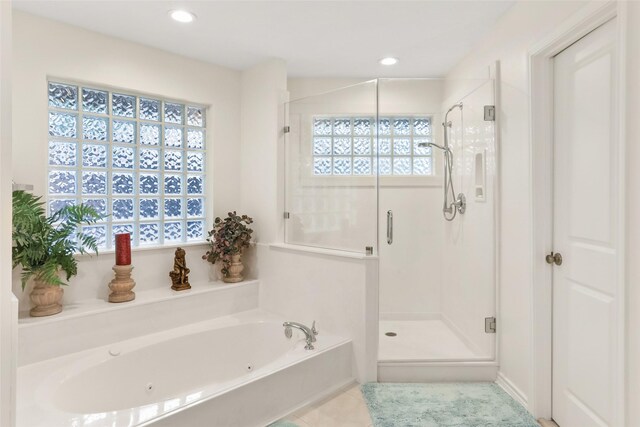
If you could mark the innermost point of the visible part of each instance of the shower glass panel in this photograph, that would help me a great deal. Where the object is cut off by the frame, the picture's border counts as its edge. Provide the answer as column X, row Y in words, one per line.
column 437, row 277
column 330, row 169
column 469, row 269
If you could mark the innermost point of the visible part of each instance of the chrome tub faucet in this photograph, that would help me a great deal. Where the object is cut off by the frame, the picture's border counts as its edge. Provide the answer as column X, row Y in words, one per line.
column 310, row 333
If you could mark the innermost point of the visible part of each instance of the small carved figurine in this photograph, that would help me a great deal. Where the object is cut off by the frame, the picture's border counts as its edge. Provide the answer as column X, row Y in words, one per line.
column 180, row 273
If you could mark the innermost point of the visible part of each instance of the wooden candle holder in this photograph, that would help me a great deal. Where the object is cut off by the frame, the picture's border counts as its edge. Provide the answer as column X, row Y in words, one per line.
column 121, row 286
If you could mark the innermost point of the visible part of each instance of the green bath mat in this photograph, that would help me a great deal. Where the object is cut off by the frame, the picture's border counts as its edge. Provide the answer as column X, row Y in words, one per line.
column 444, row 405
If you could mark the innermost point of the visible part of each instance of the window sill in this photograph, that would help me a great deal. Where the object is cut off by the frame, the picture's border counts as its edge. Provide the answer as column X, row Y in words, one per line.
column 370, row 181
column 146, row 248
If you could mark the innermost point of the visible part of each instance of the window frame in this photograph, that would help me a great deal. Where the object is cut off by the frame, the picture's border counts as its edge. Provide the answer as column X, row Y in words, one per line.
column 136, row 195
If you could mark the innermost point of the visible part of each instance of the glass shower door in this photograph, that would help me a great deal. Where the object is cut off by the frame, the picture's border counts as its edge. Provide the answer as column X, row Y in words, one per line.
column 469, row 268
column 437, row 277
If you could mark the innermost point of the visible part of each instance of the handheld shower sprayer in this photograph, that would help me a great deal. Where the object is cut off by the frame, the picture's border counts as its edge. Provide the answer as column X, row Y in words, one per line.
column 432, row 144
column 459, row 203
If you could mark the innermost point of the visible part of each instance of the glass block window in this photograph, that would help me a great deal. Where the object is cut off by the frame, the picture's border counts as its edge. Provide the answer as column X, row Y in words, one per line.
column 347, row 146
column 140, row 160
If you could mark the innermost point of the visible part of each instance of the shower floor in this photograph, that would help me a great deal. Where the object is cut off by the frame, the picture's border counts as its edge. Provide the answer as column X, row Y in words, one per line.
column 421, row 340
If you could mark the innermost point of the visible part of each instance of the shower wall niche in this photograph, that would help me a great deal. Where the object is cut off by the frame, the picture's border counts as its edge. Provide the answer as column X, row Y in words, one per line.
column 360, row 173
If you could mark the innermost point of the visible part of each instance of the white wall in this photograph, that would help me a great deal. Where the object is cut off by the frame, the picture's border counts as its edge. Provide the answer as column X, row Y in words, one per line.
column 8, row 303
column 44, row 48
column 508, row 42
column 263, row 91
column 302, row 87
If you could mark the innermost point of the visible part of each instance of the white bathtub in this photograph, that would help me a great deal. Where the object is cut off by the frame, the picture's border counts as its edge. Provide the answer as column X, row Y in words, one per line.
column 233, row 371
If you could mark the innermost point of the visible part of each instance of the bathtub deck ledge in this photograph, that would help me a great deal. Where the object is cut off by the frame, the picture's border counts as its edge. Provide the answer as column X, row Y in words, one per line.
column 151, row 296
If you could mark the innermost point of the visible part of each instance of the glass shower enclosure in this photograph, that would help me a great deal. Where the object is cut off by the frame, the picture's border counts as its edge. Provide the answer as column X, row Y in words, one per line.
column 364, row 168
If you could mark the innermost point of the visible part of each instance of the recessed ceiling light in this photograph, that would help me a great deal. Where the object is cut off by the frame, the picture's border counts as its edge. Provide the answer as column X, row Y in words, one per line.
column 389, row 61
column 182, row 15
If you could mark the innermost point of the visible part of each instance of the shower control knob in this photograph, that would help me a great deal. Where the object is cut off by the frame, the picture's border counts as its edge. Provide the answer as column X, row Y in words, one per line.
column 554, row 258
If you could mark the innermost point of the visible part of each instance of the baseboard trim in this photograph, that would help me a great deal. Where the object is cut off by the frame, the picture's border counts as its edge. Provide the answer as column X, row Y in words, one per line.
column 513, row 391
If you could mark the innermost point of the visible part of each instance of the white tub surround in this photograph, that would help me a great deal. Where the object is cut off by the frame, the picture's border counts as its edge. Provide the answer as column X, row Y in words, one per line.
column 203, row 373
column 95, row 322
column 336, row 288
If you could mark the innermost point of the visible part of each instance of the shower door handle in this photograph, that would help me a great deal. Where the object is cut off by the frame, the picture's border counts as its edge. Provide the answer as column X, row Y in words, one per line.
column 389, row 227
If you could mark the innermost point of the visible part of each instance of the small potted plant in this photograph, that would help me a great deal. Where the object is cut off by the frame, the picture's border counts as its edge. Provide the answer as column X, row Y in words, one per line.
column 45, row 246
column 228, row 239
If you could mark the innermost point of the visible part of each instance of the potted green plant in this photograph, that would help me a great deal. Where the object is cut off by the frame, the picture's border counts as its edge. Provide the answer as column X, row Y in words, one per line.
column 227, row 240
column 45, row 246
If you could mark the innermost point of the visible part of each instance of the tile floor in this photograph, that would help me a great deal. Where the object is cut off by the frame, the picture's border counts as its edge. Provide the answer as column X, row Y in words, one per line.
column 346, row 409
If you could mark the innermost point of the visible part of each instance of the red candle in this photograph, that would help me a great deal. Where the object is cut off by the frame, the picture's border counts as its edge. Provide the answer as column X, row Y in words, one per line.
column 123, row 249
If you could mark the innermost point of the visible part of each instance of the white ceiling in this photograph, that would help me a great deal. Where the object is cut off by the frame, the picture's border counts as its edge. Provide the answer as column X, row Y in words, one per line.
column 316, row 38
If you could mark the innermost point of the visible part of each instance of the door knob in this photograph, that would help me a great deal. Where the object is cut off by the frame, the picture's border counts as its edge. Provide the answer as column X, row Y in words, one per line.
column 554, row 258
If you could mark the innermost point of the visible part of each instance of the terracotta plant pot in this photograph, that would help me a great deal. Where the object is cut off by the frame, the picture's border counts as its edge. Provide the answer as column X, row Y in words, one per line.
column 234, row 270
column 46, row 299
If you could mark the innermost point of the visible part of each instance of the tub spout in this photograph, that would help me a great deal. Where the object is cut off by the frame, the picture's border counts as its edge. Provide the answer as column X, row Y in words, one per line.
column 310, row 333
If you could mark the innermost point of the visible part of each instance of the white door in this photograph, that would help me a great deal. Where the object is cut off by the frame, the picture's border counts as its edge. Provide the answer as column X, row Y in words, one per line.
column 586, row 314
